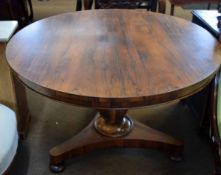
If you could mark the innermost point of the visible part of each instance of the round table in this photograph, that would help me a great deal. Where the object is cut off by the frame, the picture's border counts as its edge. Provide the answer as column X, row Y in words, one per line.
column 114, row 60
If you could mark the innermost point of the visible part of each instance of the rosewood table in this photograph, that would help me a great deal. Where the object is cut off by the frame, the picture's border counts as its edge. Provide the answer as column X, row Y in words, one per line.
column 114, row 60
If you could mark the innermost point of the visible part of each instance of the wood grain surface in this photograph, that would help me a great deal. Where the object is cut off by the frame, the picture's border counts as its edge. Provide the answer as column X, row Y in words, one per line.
column 114, row 58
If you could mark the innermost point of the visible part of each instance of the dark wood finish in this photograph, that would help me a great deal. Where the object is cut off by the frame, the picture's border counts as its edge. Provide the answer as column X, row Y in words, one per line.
column 113, row 60
column 6, row 10
column 89, row 140
column 123, row 4
column 79, row 5
column 172, row 7
column 113, row 123
column 207, row 19
column 126, row 66
column 129, row 4
column 20, row 10
column 28, row 9
column 88, row 4
column 161, row 6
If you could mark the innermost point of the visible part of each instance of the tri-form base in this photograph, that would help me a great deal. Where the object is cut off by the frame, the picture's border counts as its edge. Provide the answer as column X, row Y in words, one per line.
column 89, row 139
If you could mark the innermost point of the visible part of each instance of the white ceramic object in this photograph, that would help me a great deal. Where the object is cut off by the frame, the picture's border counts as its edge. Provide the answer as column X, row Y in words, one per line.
column 8, row 137
column 7, row 28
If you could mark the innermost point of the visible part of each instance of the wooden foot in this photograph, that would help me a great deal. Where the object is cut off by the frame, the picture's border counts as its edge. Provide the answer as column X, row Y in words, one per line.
column 89, row 139
column 57, row 168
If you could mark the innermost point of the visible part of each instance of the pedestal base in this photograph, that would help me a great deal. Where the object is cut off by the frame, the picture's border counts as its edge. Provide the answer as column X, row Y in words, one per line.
column 113, row 123
column 89, row 140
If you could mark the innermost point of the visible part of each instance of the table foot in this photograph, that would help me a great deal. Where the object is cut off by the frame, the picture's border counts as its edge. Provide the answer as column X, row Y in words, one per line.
column 57, row 168
column 177, row 157
column 89, row 139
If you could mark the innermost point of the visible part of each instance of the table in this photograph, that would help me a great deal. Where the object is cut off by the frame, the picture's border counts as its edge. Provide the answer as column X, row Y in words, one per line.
column 114, row 60
column 207, row 19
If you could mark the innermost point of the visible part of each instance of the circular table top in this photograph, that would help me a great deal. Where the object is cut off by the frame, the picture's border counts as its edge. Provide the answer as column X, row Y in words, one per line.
column 114, row 58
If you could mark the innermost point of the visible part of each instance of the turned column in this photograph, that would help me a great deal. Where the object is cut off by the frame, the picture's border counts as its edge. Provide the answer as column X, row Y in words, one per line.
column 113, row 123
